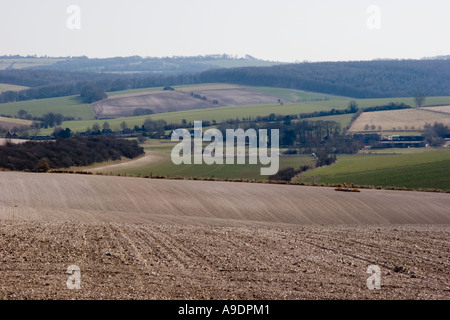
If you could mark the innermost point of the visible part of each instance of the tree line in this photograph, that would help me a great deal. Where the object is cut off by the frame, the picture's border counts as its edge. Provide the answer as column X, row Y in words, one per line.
column 90, row 86
column 64, row 153
column 436, row 134
column 358, row 79
column 305, row 136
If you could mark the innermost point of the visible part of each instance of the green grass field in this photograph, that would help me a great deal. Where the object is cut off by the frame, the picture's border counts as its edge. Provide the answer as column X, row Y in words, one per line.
column 343, row 119
column 296, row 95
column 221, row 172
column 410, row 168
column 219, row 114
column 70, row 106
column 129, row 91
column 165, row 167
column 141, row 90
column 365, row 103
column 224, row 113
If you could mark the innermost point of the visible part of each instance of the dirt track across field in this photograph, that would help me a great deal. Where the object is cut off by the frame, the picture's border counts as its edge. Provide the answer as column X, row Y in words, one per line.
column 150, row 157
column 136, row 238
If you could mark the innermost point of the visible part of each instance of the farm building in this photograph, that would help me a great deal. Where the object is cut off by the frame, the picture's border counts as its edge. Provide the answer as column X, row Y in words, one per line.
column 401, row 142
column 42, row 138
column 10, row 135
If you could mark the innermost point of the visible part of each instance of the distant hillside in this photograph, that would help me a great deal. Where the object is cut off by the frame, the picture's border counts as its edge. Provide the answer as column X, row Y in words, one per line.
column 16, row 62
column 359, row 79
column 447, row 57
column 134, row 64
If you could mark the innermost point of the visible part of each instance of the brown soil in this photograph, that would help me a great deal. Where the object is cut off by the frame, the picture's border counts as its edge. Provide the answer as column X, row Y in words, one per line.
column 401, row 119
column 181, row 100
column 137, row 238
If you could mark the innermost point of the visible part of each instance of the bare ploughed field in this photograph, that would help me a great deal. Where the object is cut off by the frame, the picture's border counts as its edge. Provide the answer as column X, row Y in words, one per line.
column 402, row 119
column 161, row 101
column 136, row 238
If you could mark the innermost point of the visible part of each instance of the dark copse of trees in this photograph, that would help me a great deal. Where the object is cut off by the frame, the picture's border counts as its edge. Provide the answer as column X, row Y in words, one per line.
column 359, row 79
column 435, row 134
column 51, row 119
column 142, row 112
column 64, row 153
column 41, row 78
column 92, row 93
column 48, row 84
column 352, row 108
column 323, row 159
column 62, row 133
column 390, row 106
column 287, row 174
column 154, row 129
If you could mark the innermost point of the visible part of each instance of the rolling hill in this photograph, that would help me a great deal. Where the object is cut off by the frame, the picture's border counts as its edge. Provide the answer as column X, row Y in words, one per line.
column 154, row 239
column 181, row 99
column 85, row 198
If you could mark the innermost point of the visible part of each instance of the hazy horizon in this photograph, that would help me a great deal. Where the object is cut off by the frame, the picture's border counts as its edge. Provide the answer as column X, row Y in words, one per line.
column 284, row 31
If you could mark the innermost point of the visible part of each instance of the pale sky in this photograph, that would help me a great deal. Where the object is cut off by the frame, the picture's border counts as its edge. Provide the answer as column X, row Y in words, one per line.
column 281, row 30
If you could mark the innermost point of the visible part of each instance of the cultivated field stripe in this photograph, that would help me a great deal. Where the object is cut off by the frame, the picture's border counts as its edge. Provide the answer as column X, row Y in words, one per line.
column 115, row 199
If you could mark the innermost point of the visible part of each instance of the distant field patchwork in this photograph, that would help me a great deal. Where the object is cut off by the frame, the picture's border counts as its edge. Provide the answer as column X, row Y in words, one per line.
column 412, row 119
column 219, row 114
column 181, row 99
column 190, row 98
column 21, row 63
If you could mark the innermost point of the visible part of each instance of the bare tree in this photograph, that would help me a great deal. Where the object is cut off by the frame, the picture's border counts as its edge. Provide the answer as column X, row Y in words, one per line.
column 419, row 99
column 106, row 126
column 96, row 127
column 141, row 138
